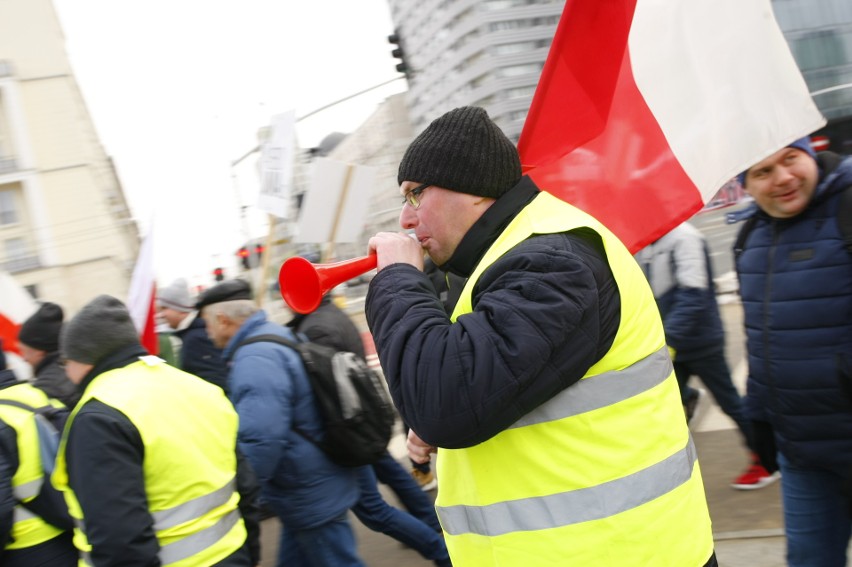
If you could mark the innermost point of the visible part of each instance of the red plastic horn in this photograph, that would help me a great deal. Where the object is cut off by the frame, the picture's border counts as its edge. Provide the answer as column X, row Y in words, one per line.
column 303, row 284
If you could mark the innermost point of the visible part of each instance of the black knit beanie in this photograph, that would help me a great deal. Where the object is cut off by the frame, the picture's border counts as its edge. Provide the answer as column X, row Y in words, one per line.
column 41, row 330
column 464, row 151
column 102, row 327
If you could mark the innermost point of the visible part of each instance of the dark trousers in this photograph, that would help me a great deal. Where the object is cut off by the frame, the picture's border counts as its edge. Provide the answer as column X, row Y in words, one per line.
column 57, row 552
column 418, row 528
column 713, row 371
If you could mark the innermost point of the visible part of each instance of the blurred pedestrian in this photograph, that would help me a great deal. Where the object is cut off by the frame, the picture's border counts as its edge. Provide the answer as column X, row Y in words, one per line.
column 278, row 415
column 197, row 355
column 149, row 478
column 549, row 389
column 35, row 528
column 678, row 268
column 417, row 527
column 39, row 344
column 794, row 264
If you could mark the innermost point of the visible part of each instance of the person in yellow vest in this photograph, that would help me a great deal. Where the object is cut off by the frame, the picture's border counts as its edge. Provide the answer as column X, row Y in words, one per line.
column 549, row 390
column 149, row 478
column 35, row 528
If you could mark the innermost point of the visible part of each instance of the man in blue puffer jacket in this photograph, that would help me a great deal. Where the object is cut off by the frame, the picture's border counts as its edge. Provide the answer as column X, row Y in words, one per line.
column 796, row 284
column 273, row 397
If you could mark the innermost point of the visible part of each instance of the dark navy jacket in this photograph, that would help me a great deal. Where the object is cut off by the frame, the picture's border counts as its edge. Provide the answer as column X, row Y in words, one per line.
column 199, row 356
column 543, row 314
column 796, row 286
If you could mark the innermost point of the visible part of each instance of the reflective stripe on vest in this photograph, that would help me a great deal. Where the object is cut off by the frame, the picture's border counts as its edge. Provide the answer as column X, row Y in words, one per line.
column 557, row 510
column 603, row 390
column 196, row 508
column 21, row 514
column 28, row 489
column 199, row 541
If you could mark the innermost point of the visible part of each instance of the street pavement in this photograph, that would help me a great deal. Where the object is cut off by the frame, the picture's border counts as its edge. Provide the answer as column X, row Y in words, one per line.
column 747, row 525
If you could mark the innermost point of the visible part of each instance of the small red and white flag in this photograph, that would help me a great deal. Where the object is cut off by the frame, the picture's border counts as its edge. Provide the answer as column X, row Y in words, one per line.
column 645, row 108
column 16, row 306
column 142, row 296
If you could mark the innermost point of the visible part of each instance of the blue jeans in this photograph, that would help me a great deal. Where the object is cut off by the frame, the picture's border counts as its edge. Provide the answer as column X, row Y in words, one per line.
column 713, row 371
column 419, row 528
column 329, row 545
column 816, row 516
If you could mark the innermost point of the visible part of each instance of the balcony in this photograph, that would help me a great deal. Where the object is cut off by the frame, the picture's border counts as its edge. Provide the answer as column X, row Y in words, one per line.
column 8, row 164
column 21, row 264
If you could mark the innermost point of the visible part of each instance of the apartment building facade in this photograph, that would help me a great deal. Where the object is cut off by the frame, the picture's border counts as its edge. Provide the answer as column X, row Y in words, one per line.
column 487, row 53
column 819, row 33
column 66, row 233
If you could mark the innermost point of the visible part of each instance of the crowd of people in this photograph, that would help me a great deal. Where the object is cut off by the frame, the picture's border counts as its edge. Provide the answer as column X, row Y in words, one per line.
column 546, row 365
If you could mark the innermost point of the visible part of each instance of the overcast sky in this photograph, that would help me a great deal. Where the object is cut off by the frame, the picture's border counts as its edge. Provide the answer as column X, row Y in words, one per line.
column 178, row 89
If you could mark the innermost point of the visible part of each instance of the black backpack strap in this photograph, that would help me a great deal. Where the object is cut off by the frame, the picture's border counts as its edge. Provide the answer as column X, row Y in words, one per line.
column 742, row 236
column 50, row 412
column 269, row 338
column 20, row 405
column 844, row 217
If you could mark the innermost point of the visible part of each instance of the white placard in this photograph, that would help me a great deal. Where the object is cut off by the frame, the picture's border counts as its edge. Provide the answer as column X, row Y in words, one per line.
column 335, row 206
column 276, row 166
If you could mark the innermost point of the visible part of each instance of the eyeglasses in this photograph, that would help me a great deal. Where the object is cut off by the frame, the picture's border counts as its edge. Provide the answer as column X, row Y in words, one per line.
column 412, row 198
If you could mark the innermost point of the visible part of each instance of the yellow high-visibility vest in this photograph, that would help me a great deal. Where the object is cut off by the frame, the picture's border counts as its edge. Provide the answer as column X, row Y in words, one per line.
column 189, row 430
column 28, row 529
column 604, row 473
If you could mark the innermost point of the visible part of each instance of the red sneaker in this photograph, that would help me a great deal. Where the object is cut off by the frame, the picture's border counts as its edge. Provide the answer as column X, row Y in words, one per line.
column 755, row 477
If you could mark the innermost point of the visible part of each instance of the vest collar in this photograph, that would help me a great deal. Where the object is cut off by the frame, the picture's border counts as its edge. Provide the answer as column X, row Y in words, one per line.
column 488, row 227
column 117, row 359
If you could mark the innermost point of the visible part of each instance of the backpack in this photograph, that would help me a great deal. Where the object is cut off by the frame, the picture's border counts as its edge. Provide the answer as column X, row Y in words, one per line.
column 356, row 410
column 50, row 421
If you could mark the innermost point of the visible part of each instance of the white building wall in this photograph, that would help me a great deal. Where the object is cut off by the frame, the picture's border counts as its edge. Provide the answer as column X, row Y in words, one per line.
column 78, row 235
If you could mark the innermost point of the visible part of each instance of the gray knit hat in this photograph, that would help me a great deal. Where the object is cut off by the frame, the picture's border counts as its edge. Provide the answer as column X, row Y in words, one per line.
column 176, row 296
column 102, row 327
column 464, row 151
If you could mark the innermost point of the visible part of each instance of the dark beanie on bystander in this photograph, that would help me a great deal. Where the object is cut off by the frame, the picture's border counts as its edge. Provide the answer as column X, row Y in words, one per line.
column 41, row 330
column 464, row 151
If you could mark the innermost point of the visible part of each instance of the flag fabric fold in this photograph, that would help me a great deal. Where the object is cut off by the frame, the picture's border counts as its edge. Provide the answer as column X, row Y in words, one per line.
column 16, row 306
column 645, row 108
column 142, row 295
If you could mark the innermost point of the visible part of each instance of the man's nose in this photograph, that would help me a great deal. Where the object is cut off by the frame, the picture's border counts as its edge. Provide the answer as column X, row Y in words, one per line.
column 784, row 175
column 407, row 218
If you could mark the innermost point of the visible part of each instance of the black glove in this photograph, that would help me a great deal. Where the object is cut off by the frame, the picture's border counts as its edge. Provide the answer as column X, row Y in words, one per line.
column 763, row 439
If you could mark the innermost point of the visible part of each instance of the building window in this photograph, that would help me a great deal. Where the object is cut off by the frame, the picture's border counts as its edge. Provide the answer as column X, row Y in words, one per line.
column 18, row 256
column 16, row 248
column 516, row 70
column 822, row 49
column 8, row 211
column 520, row 92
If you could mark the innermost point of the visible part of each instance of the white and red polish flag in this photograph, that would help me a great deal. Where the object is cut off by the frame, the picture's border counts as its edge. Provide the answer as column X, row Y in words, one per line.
column 645, row 108
column 142, row 296
column 16, row 306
